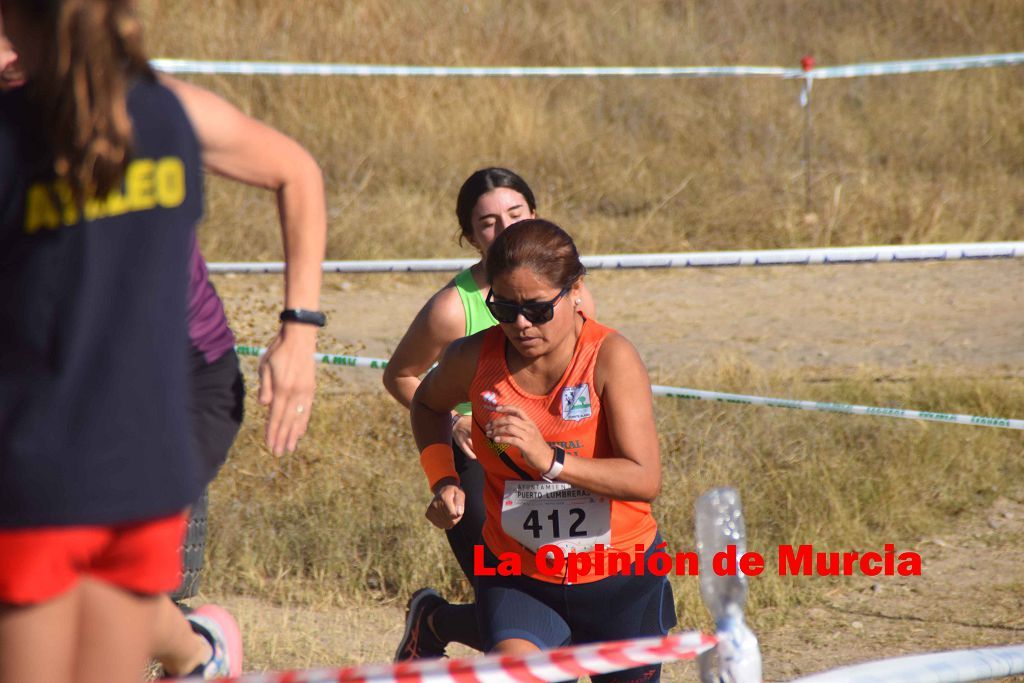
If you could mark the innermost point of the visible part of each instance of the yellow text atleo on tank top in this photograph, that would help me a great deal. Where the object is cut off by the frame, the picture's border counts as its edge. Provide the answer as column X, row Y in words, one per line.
column 148, row 183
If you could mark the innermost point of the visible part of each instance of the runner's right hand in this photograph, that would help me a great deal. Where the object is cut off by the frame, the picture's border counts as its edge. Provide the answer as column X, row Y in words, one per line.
column 447, row 507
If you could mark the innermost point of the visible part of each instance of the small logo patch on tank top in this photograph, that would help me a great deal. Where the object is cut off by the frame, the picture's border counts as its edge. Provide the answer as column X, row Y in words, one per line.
column 576, row 402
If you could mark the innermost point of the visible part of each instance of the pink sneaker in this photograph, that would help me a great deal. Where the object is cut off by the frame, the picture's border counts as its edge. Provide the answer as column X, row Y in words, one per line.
column 220, row 628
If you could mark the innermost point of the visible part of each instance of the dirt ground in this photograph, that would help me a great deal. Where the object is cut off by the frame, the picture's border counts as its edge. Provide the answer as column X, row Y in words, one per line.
column 892, row 320
column 961, row 317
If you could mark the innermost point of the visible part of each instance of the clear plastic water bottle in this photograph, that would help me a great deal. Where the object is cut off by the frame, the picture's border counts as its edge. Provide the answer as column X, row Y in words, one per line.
column 719, row 520
column 720, row 524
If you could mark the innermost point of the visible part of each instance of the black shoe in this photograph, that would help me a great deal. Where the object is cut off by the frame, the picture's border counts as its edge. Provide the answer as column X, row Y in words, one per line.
column 419, row 641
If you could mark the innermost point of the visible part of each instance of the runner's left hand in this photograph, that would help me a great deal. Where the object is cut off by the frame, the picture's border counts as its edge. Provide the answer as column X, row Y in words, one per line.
column 515, row 428
column 287, row 383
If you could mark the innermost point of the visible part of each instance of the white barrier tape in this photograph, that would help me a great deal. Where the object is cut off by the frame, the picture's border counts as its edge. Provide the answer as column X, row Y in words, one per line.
column 382, row 266
column 325, row 358
column 203, row 66
column 723, row 397
column 958, row 666
column 695, row 259
column 913, row 66
column 551, row 665
column 849, row 409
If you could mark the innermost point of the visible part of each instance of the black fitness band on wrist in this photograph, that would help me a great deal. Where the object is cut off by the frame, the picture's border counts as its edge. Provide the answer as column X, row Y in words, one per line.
column 557, row 463
column 302, row 315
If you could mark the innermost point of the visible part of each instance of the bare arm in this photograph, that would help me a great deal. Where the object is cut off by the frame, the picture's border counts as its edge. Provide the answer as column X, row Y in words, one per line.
column 430, row 410
column 634, row 473
column 441, row 390
column 239, row 147
column 625, row 389
column 440, row 322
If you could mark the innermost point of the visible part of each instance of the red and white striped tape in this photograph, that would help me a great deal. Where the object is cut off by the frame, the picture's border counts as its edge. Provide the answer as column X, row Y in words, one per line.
column 551, row 665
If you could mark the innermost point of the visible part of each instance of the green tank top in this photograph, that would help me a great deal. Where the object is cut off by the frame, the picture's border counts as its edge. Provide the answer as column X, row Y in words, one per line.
column 477, row 316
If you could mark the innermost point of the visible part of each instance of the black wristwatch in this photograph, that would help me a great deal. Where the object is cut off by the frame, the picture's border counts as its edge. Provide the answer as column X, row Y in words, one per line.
column 301, row 315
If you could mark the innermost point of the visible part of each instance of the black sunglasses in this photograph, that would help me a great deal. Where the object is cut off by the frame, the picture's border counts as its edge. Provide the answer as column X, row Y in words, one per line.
column 537, row 312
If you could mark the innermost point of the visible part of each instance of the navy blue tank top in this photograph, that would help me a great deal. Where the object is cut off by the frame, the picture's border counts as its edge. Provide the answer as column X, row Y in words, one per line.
column 93, row 338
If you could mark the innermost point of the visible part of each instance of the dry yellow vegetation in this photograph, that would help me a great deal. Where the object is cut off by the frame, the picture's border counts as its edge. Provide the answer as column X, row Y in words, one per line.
column 627, row 165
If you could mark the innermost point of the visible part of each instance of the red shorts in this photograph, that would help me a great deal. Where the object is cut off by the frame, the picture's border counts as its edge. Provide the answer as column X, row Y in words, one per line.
column 40, row 563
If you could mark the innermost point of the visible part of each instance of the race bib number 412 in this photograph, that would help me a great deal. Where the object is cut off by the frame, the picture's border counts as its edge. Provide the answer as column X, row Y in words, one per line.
column 538, row 513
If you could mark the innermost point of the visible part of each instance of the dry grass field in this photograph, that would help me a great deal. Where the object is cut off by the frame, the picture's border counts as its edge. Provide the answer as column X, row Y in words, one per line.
column 626, row 164
column 317, row 552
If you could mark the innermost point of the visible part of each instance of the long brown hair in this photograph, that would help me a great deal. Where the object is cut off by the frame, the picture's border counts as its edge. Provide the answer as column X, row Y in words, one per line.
column 81, row 86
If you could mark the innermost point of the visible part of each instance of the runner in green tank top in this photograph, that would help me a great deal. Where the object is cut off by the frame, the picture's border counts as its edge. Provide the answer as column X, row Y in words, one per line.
column 489, row 201
column 478, row 317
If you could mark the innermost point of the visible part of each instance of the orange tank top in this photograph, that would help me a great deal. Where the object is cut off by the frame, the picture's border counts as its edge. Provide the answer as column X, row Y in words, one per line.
column 569, row 416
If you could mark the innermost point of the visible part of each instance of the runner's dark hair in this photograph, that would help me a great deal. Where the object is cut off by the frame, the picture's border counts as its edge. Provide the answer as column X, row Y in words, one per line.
column 539, row 245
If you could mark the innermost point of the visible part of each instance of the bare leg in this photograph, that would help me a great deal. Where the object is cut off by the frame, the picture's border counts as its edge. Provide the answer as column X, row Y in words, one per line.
column 115, row 633
column 37, row 642
column 175, row 645
column 515, row 646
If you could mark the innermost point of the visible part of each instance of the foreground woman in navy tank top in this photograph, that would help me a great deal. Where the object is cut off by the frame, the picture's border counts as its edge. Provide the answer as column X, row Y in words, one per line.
column 238, row 147
column 100, row 189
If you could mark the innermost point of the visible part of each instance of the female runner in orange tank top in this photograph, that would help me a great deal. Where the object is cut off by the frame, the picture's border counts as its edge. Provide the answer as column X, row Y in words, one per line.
column 563, row 426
